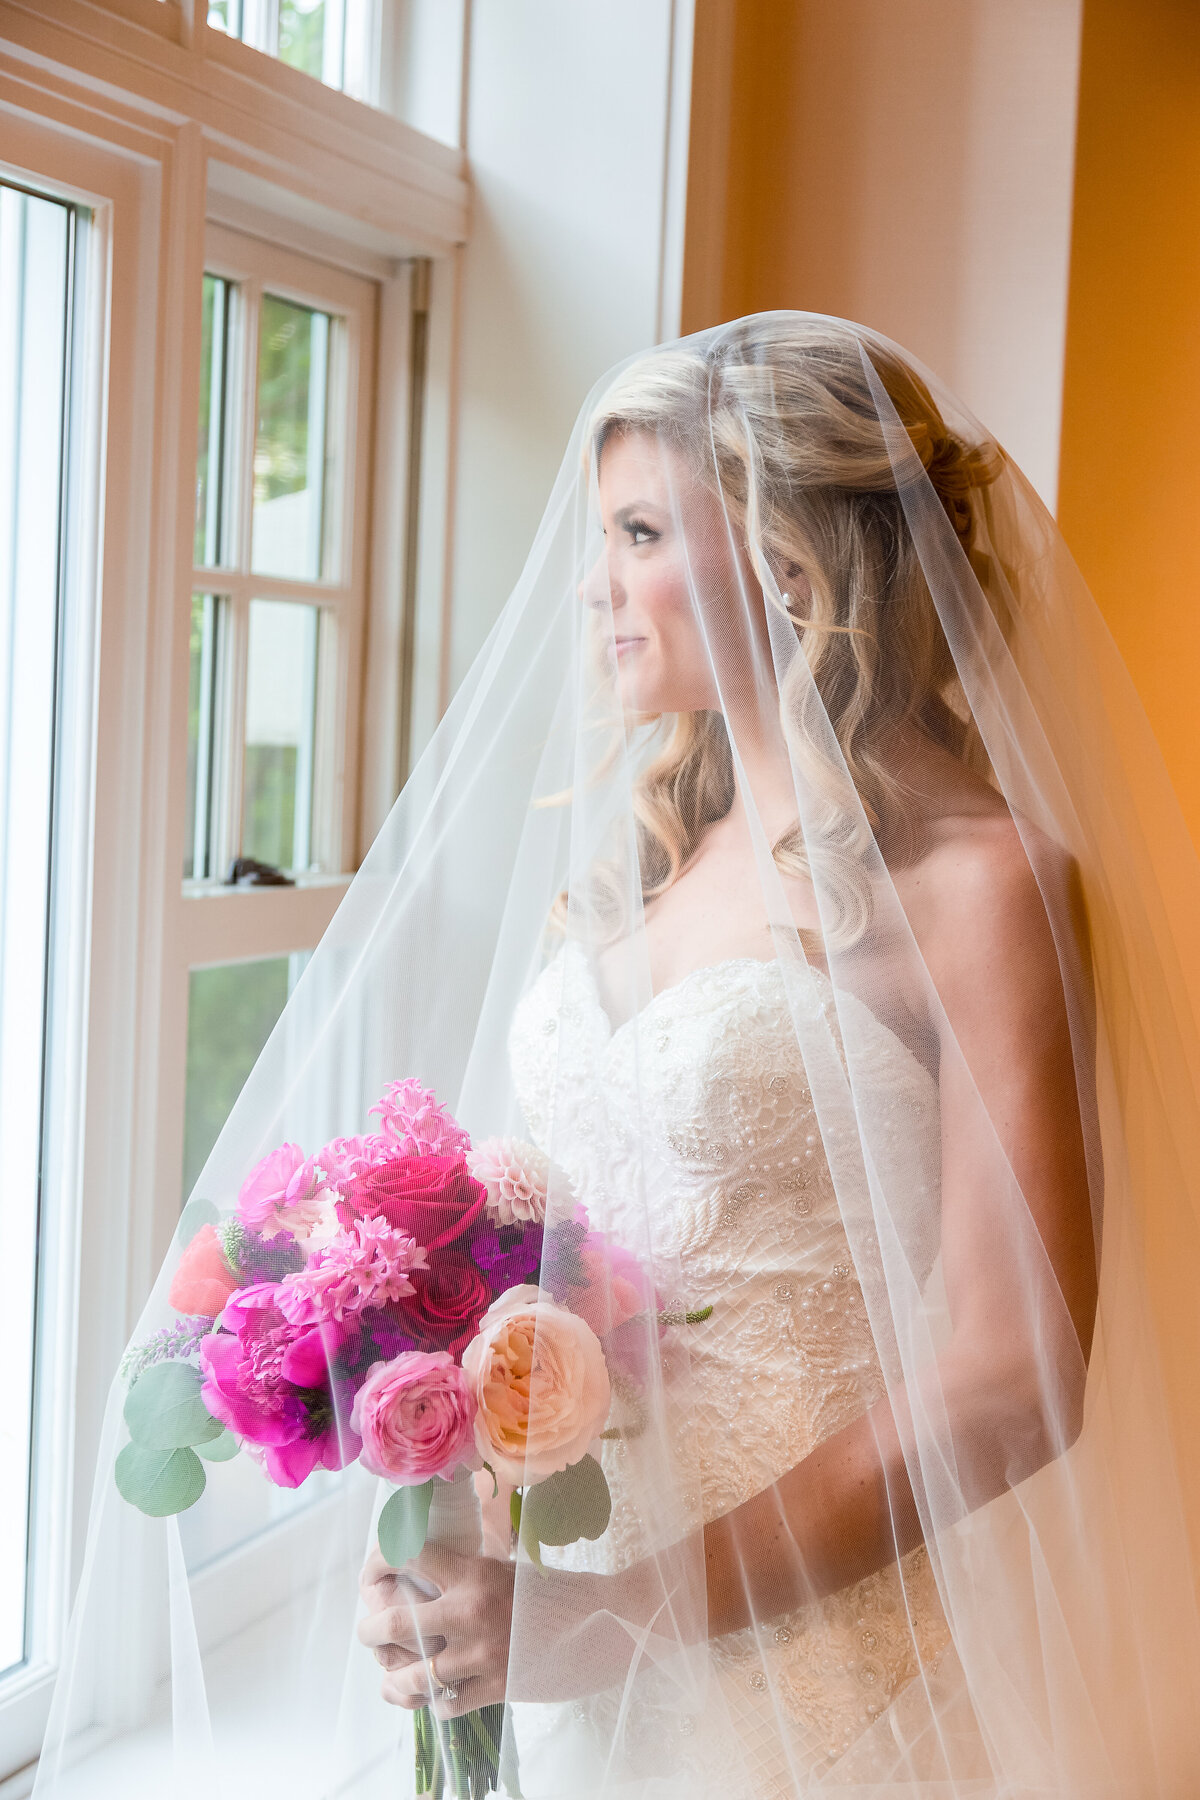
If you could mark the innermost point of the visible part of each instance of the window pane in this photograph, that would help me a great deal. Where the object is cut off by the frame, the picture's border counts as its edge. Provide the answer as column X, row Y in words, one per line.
column 212, row 450
column 226, row 15
column 35, row 245
column 232, row 1008
column 335, row 41
column 281, row 706
column 290, row 475
column 311, row 34
column 206, row 623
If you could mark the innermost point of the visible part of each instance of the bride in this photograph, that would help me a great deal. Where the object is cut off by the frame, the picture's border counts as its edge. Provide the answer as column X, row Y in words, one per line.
column 790, row 872
column 835, row 841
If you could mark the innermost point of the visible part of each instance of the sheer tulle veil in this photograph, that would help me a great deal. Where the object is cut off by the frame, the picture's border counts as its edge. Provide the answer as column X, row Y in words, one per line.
column 782, row 1108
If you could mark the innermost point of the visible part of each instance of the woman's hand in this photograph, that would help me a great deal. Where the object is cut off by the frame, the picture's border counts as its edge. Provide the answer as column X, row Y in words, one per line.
column 463, row 1632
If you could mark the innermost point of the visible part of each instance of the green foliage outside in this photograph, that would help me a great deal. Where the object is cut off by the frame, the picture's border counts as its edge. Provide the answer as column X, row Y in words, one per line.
column 231, row 1011
column 302, row 35
column 284, row 365
column 269, row 803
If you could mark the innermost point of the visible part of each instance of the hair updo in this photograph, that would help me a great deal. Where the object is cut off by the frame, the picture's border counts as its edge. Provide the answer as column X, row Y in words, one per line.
column 777, row 412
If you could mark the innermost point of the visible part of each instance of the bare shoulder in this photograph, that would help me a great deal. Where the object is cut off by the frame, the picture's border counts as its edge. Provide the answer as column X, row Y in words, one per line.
column 977, row 900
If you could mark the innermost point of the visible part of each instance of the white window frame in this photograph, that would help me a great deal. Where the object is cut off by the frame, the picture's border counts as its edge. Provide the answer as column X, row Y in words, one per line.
column 158, row 126
column 257, row 267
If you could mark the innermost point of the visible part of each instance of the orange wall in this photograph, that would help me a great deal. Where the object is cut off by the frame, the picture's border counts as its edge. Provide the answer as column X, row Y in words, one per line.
column 1130, row 461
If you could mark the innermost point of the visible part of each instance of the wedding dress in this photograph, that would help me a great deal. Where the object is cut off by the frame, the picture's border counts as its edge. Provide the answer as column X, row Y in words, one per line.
column 705, row 1085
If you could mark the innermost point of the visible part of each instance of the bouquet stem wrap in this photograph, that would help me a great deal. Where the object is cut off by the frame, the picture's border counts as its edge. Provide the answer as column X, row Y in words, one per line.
column 463, row 1757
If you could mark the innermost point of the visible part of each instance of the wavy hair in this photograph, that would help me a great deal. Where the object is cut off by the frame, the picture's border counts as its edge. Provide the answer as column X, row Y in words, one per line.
column 778, row 414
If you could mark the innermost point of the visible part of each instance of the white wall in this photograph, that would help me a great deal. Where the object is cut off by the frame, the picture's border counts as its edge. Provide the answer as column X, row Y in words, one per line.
column 907, row 164
column 942, row 133
column 577, row 206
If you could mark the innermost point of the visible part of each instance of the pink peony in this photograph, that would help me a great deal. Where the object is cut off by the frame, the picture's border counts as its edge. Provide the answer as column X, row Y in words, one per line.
column 284, row 1192
column 416, row 1418
column 203, row 1281
column 366, row 1264
column 516, row 1176
column 411, row 1116
column 540, row 1385
column 272, row 1385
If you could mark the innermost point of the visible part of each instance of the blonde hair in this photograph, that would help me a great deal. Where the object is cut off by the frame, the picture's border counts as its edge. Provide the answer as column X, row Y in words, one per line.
column 778, row 412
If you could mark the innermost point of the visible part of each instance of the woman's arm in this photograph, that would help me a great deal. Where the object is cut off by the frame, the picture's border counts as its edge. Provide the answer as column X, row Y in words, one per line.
column 1017, row 1246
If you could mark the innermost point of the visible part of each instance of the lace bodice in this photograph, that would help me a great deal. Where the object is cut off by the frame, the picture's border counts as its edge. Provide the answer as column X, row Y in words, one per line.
column 691, row 1133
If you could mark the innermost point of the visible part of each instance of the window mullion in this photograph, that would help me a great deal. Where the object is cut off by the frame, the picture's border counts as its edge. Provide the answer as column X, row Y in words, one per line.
column 230, row 731
column 241, row 472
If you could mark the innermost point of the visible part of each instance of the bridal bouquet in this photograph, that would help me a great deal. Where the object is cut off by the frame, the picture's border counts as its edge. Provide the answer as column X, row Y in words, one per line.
column 381, row 1300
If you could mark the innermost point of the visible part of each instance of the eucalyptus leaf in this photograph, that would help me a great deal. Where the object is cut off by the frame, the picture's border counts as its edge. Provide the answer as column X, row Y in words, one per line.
column 219, row 1449
column 568, row 1506
column 164, row 1411
column 159, row 1482
column 404, row 1524
column 195, row 1215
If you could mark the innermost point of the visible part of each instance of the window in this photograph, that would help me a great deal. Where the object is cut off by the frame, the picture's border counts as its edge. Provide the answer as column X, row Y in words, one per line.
column 279, row 582
column 36, row 244
column 336, row 41
column 45, row 631
column 275, row 632
column 210, row 396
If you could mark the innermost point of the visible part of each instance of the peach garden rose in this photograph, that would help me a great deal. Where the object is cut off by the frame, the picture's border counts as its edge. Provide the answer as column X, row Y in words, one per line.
column 540, row 1384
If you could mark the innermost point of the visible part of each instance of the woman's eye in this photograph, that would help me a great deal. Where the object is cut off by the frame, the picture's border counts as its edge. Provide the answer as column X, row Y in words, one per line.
column 640, row 533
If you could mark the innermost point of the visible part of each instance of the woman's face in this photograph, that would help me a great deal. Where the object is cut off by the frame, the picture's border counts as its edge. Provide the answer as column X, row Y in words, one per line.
column 669, row 574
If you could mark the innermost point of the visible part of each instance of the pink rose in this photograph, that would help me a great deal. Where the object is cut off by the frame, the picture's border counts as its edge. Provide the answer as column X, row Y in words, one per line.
column 433, row 1198
column 609, row 1298
column 416, row 1418
column 540, row 1385
column 203, row 1281
column 444, row 1305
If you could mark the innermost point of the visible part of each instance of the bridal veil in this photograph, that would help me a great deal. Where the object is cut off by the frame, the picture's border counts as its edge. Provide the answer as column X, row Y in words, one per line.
column 777, row 1108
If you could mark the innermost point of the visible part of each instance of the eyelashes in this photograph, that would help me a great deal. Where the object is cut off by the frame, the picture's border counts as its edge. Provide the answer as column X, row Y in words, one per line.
column 639, row 532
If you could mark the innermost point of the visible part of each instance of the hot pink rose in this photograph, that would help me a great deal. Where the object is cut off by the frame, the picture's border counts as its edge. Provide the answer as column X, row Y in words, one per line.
column 445, row 1304
column 416, row 1418
column 540, row 1385
column 433, row 1198
column 203, row 1281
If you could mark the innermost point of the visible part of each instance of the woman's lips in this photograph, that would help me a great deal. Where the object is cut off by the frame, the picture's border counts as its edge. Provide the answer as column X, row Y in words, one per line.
column 623, row 645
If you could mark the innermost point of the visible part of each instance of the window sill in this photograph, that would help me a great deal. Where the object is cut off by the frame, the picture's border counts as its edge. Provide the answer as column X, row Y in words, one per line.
column 288, row 1756
column 271, row 921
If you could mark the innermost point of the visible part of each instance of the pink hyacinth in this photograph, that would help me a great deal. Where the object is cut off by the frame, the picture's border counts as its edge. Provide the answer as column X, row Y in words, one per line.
column 415, row 1122
column 345, row 1159
column 367, row 1263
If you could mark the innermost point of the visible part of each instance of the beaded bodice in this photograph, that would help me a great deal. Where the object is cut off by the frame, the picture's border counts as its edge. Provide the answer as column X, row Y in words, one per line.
column 690, row 1133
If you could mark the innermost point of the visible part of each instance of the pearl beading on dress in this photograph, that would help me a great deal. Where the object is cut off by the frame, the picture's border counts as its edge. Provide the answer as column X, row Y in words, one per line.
column 690, row 1133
